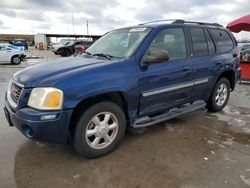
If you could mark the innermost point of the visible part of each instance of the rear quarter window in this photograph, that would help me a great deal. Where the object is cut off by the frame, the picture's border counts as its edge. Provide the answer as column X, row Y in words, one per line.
column 223, row 39
column 199, row 41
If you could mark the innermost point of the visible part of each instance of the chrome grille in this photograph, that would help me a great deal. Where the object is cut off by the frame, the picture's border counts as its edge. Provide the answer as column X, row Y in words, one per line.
column 15, row 92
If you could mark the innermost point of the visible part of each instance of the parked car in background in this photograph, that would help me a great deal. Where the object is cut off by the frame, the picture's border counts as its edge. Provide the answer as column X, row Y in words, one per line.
column 81, row 48
column 245, row 47
column 245, row 56
column 10, row 54
column 20, row 42
column 12, row 47
column 54, row 48
column 69, row 49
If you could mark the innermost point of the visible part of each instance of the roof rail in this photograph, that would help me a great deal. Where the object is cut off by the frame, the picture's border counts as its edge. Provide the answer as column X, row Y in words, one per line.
column 182, row 22
column 204, row 23
column 169, row 20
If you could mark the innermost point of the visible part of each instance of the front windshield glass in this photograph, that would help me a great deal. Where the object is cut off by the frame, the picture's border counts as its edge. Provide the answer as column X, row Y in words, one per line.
column 120, row 43
column 65, row 42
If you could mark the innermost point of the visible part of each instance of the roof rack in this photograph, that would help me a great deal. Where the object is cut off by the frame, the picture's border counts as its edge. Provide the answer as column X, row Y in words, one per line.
column 155, row 21
column 179, row 21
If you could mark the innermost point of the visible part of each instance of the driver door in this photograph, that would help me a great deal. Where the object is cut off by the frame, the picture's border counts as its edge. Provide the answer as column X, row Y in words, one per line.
column 167, row 84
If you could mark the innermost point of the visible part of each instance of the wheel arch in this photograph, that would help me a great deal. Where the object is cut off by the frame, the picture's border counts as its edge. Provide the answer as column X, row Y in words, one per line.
column 118, row 98
column 14, row 55
column 230, row 75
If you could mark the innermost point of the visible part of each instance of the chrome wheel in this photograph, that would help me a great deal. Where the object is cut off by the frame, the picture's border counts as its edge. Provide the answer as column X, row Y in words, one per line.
column 16, row 60
column 221, row 94
column 101, row 130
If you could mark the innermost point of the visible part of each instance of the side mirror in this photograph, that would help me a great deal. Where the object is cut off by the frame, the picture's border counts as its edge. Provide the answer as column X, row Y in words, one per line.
column 156, row 56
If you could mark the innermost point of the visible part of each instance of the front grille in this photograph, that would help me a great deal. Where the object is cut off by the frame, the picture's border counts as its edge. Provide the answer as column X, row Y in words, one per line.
column 15, row 92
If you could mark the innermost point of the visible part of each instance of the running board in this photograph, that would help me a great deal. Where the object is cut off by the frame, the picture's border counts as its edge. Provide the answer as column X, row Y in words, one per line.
column 174, row 112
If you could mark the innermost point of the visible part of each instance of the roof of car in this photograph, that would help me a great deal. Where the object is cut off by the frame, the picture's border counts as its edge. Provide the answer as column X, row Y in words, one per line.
column 157, row 23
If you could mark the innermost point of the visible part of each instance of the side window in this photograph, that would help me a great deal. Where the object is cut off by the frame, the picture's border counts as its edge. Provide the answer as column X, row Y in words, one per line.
column 2, row 48
column 225, row 43
column 200, row 46
column 210, row 43
column 173, row 41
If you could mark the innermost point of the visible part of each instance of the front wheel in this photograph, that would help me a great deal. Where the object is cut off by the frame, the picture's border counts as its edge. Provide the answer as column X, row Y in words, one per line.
column 100, row 130
column 16, row 60
column 220, row 95
column 66, row 53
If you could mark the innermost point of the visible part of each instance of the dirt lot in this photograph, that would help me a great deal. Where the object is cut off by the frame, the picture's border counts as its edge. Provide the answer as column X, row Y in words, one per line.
column 200, row 149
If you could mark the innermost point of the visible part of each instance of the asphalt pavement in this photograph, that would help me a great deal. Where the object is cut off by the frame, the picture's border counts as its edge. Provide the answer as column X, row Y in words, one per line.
column 199, row 149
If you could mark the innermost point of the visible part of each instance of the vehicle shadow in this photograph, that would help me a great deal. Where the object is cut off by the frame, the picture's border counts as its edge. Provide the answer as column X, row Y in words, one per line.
column 6, row 64
column 166, row 154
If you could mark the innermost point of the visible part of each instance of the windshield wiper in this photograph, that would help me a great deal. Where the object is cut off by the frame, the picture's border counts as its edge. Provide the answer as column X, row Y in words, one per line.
column 104, row 55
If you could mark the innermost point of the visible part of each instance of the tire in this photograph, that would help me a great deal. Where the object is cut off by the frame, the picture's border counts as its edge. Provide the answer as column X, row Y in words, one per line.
column 220, row 95
column 16, row 60
column 66, row 53
column 56, row 53
column 90, row 138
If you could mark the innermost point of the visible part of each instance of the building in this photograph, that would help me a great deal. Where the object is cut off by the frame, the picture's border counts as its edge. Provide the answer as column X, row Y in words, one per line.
column 42, row 40
column 9, row 37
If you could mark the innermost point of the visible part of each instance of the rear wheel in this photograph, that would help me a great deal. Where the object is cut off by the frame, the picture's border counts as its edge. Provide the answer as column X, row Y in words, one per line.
column 220, row 95
column 16, row 60
column 99, row 130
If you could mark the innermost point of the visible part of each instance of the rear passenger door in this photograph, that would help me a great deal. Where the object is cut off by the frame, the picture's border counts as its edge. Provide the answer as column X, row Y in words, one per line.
column 206, row 62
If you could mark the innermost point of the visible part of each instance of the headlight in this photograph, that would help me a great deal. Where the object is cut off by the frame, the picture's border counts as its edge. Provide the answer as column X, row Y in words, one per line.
column 46, row 98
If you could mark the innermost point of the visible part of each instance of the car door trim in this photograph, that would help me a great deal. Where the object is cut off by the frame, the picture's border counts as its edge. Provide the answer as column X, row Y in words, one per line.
column 175, row 87
column 201, row 81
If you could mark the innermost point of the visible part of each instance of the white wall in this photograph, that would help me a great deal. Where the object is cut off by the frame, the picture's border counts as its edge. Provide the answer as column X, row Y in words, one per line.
column 40, row 38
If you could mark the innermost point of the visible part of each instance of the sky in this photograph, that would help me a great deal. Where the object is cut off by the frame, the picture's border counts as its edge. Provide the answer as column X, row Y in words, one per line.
column 71, row 16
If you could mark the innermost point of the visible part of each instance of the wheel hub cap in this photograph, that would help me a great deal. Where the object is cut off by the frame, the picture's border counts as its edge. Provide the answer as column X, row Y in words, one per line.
column 101, row 130
column 221, row 94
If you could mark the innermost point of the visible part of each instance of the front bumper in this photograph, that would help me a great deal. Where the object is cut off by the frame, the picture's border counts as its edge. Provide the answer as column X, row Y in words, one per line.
column 22, row 56
column 54, row 50
column 28, row 122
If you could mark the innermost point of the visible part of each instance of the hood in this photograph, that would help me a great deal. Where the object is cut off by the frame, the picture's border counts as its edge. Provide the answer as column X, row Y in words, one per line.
column 46, row 74
column 57, row 46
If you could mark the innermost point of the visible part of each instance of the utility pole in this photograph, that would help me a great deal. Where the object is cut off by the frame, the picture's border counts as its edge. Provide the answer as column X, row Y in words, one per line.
column 68, row 32
column 87, row 27
column 73, row 23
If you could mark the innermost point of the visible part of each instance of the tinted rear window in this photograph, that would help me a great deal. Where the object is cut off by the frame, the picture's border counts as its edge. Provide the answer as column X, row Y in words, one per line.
column 223, row 39
column 200, row 46
column 210, row 43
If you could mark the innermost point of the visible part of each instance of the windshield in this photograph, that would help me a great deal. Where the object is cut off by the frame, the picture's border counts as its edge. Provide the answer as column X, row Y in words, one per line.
column 65, row 42
column 120, row 43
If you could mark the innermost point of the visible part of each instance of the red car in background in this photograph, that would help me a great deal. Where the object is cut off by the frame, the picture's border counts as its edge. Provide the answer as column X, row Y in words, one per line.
column 245, row 65
column 80, row 48
column 245, row 56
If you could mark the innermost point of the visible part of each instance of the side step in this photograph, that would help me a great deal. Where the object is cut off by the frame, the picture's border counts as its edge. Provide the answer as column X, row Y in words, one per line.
column 186, row 108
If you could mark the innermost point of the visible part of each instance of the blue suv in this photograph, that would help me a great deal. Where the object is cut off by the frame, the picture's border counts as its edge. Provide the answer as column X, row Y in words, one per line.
column 131, row 77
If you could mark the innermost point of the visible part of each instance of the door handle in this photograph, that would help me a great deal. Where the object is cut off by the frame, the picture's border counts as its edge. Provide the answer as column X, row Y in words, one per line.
column 185, row 69
column 218, row 63
column 235, row 55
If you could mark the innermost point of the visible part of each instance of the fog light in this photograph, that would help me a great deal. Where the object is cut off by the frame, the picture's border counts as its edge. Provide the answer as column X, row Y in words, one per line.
column 48, row 117
column 28, row 131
